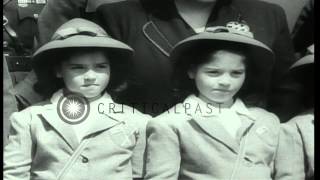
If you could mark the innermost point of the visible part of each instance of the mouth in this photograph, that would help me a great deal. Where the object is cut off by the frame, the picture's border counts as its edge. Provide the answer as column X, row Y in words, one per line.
column 89, row 85
column 222, row 90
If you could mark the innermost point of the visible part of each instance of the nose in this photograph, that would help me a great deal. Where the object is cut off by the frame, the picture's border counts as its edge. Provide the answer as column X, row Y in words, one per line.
column 224, row 80
column 90, row 75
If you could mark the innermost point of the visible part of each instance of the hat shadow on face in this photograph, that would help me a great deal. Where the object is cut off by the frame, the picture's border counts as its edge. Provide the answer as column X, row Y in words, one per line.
column 256, row 85
column 48, row 83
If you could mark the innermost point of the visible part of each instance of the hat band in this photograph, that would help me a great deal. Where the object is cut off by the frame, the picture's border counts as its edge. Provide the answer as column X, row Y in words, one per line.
column 69, row 32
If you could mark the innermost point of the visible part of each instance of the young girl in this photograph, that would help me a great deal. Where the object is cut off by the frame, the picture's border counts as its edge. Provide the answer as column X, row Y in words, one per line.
column 217, row 132
column 297, row 137
column 80, row 132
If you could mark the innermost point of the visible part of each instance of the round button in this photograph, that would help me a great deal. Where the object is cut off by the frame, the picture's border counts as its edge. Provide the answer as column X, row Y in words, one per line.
column 85, row 160
column 247, row 163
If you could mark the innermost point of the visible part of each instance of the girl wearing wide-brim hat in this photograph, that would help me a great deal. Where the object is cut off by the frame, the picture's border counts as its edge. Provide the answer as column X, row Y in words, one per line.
column 297, row 135
column 79, row 132
column 217, row 132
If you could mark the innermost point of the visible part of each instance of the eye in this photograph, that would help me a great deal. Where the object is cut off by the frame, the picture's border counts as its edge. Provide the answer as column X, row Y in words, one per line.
column 237, row 72
column 76, row 67
column 213, row 73
column 102, row 66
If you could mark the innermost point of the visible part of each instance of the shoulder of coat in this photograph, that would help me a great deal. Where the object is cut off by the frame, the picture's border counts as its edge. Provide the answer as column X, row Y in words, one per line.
column 263, row 116
column 175, row 115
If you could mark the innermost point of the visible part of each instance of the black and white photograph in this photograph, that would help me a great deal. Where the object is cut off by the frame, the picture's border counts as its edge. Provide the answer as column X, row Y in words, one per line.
column 158, row 90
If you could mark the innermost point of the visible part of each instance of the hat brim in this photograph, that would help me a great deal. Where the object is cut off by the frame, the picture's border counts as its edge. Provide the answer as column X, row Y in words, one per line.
column 120, row 54
column 258, row 51
column 306, row 60
column 83, row 41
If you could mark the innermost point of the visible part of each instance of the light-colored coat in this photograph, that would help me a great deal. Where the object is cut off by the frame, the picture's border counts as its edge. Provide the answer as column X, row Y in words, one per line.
column 40, row 145
column 296, row 150
column 191, row 146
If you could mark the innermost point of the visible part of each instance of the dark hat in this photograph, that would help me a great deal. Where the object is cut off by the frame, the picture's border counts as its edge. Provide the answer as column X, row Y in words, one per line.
column 306, row 60
column 304, row 67
column 234, row 35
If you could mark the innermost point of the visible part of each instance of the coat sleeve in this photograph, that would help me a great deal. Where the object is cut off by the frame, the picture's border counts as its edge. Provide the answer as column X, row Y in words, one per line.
column 289, row 161
column 17, row 157
column 138, row 154
column 163, row 151
column 54, row 14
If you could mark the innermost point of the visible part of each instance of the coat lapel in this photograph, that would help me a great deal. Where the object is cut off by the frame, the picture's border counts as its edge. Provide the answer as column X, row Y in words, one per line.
column 247, row 123
column 164, row 34
column 212, row 127
column 65, row 130
column 102, row 122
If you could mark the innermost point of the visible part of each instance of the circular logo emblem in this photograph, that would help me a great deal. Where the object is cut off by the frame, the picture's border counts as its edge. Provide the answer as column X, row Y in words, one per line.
column 73, row 108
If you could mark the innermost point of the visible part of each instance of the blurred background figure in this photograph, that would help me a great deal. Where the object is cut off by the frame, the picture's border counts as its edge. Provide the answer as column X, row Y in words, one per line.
column 292, row 9
column 297, row 139
column 19, row 37
column 303, row 32
column 284, row 101
column 57, row 12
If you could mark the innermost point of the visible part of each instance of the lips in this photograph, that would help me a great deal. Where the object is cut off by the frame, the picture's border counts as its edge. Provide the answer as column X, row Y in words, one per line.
column 89, row 85
column 222, row 90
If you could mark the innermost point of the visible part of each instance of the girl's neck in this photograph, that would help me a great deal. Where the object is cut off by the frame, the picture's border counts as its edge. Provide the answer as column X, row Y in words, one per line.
column 91, row 99
column 216, row 104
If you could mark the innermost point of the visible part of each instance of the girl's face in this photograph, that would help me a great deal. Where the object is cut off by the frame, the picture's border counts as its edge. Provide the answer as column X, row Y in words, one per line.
column 86, row 73
column 220, row 78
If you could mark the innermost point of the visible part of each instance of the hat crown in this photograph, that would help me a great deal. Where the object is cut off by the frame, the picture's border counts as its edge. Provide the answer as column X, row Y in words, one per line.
column 239, row 28
column 78, row 26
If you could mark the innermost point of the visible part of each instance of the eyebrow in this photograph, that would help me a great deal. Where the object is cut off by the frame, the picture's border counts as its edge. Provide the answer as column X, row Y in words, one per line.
column 76, row 64
column 217, row 68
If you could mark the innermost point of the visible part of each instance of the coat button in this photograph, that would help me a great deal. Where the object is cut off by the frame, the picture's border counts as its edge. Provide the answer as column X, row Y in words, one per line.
column 246, row 161
column 85, row 160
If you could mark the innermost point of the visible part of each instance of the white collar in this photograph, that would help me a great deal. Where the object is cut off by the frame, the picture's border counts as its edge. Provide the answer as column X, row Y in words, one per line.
column 105, row 98
column 197, row 106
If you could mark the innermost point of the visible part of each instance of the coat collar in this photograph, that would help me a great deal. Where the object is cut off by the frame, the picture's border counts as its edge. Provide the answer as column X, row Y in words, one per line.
column 100, row 121
column 208, row 120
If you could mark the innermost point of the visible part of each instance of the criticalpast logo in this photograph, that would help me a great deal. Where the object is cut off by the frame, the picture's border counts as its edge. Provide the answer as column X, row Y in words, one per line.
column 73, row 108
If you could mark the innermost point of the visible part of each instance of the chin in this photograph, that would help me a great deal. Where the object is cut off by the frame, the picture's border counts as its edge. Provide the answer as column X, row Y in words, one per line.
column 221, row 101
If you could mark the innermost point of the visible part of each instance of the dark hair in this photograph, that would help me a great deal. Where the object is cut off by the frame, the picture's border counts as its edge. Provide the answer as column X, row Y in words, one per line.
column 252, row 92
column 45, row 69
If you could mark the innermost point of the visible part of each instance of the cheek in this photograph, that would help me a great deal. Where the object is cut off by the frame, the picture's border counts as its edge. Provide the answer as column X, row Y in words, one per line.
column 71, row 78
column 204, row 82
column 104, row 76
column 239, row 82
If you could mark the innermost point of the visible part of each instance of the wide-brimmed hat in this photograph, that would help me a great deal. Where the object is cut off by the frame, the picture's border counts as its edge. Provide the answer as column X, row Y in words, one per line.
column 306, row 60
column 235, row 34
column 81, row 33
column 303, row 69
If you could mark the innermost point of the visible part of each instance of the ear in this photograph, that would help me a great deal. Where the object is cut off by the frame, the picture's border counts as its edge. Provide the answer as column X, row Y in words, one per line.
column 191, row 73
